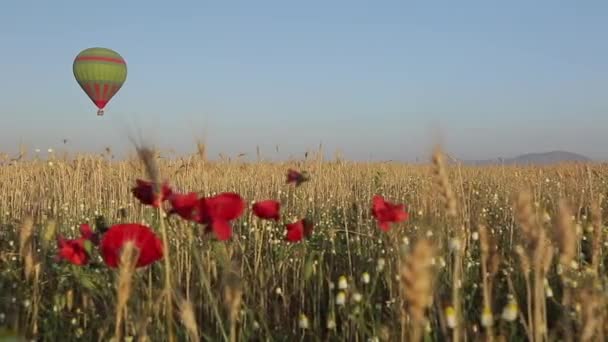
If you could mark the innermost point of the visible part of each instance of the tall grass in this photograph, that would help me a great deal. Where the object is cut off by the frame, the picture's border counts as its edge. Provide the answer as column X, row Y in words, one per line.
column 488, row 253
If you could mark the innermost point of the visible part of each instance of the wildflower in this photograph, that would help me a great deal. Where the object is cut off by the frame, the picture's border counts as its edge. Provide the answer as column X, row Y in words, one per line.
column 331, row 323
column 268, row 209
column 217, row 211
column 475, row 236
column 87, row 233
column 184, row 205
column 450, row 315
column 574, row 265
column 303, row 322
column 365, row 278
column 296, row 231
column 75, row 250
column 381, row 264
column 455, row 244
column 357, row 297
column 486, row 317
column 387, row 213
column 149, row 245
column 342, row 283
column 341, row 298
column 145, row 192
column 296, row 177
column 548, row 290
column 509, row 313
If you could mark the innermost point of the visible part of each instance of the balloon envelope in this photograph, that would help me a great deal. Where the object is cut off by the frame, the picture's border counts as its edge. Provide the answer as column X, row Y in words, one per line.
column 100, row 72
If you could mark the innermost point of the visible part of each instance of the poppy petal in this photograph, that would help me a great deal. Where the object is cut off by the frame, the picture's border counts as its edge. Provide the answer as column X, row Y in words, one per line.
column 222, row 230
column 296, row 177
column 385, row 212
column 226, row 206
column 145, row 192
column 384, row 226
column 184, row 205
column 72, row 251
column 296, row 231
column 268, row 209
column 149, row 245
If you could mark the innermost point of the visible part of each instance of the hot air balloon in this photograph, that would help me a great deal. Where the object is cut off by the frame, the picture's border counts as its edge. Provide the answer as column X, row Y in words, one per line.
column 100, row 72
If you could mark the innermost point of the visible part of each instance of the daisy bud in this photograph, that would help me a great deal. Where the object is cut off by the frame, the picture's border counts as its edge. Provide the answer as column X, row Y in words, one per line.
column 303, row 322
column 486, row 317
column 365, row 278
column 455, row 244
column 450, row 315
column 475, row 236
column 509, row 313
column 331, row 324
column 342, row 283
column 341, row 298
column 381, row 264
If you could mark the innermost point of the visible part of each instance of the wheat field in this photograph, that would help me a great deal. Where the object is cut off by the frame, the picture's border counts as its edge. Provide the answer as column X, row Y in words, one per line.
column 493, row 253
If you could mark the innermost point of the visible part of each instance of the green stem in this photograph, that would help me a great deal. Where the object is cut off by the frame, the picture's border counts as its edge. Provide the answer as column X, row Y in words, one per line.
column 168, row 302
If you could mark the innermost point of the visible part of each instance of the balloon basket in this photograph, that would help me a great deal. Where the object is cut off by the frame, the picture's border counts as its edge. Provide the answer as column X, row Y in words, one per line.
column 100, row 112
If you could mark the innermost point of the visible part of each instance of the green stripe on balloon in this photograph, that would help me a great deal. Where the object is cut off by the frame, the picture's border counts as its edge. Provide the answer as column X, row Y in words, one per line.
column 100, row 71
column 98, row 51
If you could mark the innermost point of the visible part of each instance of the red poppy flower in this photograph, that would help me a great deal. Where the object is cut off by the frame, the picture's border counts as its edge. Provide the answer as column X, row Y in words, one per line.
column 217, row 211
column 75, row 250
column 149, row 245
column 268, row 209
column 185, row 206
column 144, row 191
column 387, row 213
column 298, row 230
column 87, row 233
column 296, row 177
column 72, row 250
column 226, row 206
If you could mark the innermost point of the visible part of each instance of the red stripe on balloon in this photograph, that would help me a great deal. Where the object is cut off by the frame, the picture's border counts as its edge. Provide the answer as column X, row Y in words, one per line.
column 101, row 103
column 114, row 89
column 100, row 59
column 97, row 92
column 106, row 87
column 90, row 90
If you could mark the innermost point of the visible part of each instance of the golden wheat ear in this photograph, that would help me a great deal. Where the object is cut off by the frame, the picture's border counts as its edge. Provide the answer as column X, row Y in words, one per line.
column 416, row 287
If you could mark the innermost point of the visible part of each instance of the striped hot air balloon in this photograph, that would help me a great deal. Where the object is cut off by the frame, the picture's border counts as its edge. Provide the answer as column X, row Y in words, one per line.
column 100, row 72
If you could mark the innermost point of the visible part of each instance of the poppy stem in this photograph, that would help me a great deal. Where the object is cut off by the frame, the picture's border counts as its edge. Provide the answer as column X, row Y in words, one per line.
column 169, row 304
column 207, row 287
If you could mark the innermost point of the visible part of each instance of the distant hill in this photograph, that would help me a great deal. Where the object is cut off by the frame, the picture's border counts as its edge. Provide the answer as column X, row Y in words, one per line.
column 542, row 158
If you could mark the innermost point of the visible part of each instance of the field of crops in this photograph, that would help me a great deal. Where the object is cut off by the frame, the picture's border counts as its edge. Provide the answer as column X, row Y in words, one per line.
column 498, row 253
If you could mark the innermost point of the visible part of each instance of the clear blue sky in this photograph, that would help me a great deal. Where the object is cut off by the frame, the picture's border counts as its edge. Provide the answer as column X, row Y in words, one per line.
column 370, row 78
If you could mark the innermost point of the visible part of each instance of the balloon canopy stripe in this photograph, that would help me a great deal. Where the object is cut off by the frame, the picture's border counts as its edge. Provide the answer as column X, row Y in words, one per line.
column 97, row 91
column 99, row 59
column 106, row 88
